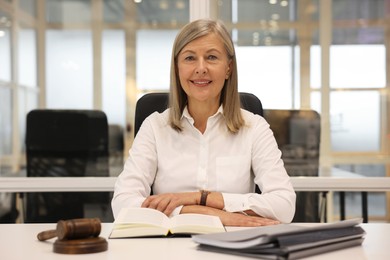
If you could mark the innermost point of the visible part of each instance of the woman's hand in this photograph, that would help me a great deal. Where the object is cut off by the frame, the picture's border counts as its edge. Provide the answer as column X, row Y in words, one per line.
column 167, row 202
column 241, row 220
column 231, row 218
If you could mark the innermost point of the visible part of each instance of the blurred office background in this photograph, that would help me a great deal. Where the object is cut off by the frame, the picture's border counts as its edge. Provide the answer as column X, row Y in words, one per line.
column 330, row 56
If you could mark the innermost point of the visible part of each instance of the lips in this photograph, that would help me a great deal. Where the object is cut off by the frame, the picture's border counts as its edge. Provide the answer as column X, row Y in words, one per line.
column 201, row 82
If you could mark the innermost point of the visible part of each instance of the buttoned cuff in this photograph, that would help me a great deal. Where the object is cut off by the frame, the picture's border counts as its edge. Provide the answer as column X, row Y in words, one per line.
column 236, row 202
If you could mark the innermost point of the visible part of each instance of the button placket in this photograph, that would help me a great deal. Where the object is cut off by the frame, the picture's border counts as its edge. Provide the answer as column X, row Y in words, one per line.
column 203, row 162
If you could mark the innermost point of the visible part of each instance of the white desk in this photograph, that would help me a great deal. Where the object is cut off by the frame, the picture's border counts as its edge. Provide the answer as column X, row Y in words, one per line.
column 18, row 241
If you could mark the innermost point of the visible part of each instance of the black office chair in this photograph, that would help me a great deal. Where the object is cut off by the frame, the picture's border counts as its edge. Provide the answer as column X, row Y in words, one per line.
column 297, row 133
column 152, row 102
column 8, row 201
column 65, row 143
column 116, row 147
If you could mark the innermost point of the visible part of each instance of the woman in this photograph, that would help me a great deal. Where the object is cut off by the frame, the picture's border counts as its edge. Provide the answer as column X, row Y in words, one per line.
column 205, row 154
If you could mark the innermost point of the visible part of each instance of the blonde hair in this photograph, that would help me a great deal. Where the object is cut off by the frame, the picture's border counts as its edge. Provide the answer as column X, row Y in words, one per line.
column 230, row 99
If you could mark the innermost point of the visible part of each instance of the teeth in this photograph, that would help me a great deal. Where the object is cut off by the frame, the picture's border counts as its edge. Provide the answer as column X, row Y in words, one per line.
column 201, row 82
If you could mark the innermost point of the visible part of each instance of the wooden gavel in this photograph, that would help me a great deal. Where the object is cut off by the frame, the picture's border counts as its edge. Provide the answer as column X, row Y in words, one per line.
column 73, row 229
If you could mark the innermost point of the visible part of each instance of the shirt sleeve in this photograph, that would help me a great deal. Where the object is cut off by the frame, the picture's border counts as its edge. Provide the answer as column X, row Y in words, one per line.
column 133, row 185
column 277, row 198
column 236, row 202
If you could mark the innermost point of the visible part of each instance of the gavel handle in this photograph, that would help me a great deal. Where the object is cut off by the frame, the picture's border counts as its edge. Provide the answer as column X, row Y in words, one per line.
column 45, row 235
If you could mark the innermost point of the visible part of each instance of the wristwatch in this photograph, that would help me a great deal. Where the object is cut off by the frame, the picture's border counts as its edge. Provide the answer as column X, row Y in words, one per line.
column 203, row 197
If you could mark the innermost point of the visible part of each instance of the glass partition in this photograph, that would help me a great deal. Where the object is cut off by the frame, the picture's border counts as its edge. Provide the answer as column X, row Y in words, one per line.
column 29, row 6
column 162, row 13
column 6, row 103
column 266, row 72
column 154, row 48
column 158, row 23
column 348, row 110
column 27, row 57
column 6, row 121
column 114, row 76
column 68, row 11
column 69, row 69
column 114, row 11
column 5, row 47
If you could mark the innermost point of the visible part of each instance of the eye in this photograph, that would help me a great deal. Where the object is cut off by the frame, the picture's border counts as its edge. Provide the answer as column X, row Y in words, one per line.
column 189, row 58
column 212, row 57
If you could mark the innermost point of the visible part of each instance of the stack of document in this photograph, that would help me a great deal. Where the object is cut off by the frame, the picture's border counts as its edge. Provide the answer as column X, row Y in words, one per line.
column 285, row 241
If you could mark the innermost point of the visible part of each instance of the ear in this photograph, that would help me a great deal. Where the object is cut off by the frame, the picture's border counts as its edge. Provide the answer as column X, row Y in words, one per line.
column 228, row 70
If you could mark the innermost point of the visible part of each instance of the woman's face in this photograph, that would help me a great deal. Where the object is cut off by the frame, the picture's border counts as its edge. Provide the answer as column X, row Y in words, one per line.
column 203, row 67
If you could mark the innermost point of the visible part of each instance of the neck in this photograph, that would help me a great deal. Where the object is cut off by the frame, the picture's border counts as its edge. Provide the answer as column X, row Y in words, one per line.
column 200, row 114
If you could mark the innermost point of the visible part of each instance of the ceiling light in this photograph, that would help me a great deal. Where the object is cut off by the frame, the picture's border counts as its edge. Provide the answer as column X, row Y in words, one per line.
column 284, row 3
column 180, row 5
column 164, row 5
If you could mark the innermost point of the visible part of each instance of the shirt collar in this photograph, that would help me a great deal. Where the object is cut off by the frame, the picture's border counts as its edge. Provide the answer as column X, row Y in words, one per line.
column 187, row 115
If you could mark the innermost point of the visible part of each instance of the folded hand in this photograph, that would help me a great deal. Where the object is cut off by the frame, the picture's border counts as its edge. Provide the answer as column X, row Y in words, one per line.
column 241, row 220
column 167, row 202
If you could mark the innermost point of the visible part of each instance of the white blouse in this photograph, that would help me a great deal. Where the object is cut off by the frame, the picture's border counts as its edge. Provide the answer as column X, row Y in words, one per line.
column 217, row 160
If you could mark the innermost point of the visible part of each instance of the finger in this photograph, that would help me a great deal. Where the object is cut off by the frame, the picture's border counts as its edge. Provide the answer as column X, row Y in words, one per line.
column 269, row 220
column 162, row 204
column 251, row 221
column 147, row 201
column 266, row 221
column 153, row 203
column 170, row 208
column 145, row 204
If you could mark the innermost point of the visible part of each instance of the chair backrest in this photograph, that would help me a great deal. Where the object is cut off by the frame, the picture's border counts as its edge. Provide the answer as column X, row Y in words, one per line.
column 62, row 143
column 297, row 133
column 67, row 138
column 116, row 145
column 152, row 102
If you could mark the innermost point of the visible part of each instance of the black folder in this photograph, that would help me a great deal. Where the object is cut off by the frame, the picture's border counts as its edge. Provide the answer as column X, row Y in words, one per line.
column 285, row 241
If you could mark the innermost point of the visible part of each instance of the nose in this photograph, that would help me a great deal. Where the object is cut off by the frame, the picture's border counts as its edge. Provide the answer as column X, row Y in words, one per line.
column 201, row 67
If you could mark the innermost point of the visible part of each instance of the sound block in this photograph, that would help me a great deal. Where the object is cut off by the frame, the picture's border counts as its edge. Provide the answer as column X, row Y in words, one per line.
column 80, row 246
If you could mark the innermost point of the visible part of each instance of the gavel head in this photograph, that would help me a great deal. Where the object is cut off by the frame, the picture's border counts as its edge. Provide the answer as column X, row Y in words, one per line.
column 78, row 228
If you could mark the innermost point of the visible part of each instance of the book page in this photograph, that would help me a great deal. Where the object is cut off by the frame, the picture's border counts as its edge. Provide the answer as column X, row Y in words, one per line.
column 141, row 216
column 196, row 224
column 139, row 222
column 128, row 230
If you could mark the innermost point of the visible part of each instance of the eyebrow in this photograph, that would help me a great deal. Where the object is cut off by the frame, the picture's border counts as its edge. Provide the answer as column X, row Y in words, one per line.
column 208, row 51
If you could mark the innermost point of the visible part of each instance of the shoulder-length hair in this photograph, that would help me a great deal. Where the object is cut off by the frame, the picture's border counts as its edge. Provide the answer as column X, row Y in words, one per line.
column 230, row 99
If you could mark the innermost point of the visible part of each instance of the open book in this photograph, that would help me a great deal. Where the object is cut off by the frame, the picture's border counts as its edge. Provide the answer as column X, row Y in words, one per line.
column 285, row 241
column 144, row 222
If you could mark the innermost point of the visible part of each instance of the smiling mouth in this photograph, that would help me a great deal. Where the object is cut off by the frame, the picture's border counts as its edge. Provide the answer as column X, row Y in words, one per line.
column 201, row 83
